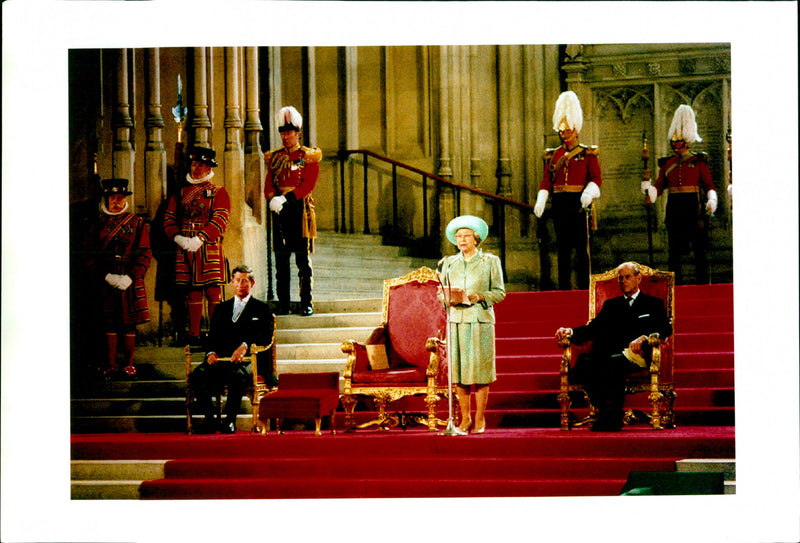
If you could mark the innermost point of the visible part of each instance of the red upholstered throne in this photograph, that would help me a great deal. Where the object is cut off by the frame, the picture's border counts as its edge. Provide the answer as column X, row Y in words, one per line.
column 403, row 357
column 657, row 380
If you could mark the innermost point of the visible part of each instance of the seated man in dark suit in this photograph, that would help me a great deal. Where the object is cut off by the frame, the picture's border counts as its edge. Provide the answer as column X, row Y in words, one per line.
column 235, row 325
column 619, row 346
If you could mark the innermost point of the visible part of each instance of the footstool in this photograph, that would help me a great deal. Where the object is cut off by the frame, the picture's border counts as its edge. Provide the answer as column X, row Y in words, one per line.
column 301, row 396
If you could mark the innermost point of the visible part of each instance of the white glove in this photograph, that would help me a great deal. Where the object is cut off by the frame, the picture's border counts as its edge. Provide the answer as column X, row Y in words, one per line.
column 649, row 190
column 711, row 204
column 124, row 282
column 113, row 279
column 591, row 192
column 541, row 201
column 276, row 204
column 730, row 190
column 193, row 244
column 182, row 241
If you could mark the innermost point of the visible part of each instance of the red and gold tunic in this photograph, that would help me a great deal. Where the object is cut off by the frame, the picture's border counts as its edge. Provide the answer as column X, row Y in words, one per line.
column 571, row 171
column 202, row 211
column 124, row 249
column 687, row 174
column 293, row 173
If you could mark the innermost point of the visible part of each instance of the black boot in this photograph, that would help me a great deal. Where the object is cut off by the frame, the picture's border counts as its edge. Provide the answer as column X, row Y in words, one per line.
column 306, row 309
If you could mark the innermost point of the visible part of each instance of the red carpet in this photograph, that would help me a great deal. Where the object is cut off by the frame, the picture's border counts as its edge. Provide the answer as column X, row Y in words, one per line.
column 415, row 463
column 523, row 452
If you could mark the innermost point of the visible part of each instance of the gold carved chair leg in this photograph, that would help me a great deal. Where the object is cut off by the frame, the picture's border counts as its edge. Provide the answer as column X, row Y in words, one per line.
column 318, row 426
column 349, row 405
column 384, row 421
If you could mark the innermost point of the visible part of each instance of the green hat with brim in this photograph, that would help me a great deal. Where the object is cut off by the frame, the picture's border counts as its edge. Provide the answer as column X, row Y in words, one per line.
column 476, row 224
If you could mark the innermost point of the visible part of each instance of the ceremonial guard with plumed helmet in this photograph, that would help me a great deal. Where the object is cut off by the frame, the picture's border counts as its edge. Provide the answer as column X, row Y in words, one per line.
column 119, row 260
column 572, row 176
column 196, row 219
column 688, row 178
column 292, row 172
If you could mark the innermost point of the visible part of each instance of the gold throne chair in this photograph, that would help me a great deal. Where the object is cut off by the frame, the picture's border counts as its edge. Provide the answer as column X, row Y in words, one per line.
column 657, row 380
column 405, row 356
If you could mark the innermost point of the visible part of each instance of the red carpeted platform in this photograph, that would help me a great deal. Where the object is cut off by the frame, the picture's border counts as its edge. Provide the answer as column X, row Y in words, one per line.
column 523, row 453
column 415, row 463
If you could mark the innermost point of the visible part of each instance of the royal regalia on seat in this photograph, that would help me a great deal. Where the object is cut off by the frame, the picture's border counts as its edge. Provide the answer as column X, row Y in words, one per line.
column 263, row 364
column 657, row 380
column 403, row 357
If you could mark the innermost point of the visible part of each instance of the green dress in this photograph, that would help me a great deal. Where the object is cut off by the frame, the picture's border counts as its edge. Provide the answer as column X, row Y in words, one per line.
column 472, row 337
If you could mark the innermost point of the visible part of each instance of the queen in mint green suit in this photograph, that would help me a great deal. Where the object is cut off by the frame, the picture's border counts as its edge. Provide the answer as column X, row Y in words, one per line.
column 471, row 323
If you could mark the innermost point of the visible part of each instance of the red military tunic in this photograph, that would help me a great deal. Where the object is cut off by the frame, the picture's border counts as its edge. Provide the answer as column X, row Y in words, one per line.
column 203, row 211
column 689, row 174
column 124, row 249
column 293, row 173
column 571, row 171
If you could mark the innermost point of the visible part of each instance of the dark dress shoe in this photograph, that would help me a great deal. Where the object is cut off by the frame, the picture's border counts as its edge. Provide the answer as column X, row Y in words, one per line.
column 606, row 426
column 307, row 311
column 206, row 427
column 282, row 310
column 228, row 428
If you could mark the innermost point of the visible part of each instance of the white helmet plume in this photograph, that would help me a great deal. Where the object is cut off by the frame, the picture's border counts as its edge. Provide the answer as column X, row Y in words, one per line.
column 684, row 125
column 290, row 118
column 568, row 110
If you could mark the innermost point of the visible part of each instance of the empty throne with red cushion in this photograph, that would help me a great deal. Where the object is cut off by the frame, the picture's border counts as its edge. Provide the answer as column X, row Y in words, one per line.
column 405, row 355
column 657, row 380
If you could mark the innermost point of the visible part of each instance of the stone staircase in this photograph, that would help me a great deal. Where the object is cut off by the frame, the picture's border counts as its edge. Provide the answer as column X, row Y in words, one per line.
column 353, row 266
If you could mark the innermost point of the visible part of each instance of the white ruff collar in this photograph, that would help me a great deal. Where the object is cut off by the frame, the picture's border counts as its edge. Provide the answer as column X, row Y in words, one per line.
column 105, row 210
column 194, row 181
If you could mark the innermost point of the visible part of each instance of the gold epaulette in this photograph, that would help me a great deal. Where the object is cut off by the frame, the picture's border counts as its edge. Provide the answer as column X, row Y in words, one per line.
column 548, row 153
column 591, row 149
column 312, row 154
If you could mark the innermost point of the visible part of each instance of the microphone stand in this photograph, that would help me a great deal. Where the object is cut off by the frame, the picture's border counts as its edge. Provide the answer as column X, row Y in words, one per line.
column 451, row 429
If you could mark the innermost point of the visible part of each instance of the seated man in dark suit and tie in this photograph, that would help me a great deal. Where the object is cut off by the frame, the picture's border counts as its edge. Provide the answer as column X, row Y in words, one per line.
column 619, row 346
column 236, row 324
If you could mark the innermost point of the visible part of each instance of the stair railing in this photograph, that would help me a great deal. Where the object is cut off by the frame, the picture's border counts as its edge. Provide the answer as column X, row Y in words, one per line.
column 432, row 226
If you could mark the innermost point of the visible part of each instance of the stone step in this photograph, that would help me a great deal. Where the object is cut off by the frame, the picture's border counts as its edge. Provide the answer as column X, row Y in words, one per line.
column 315, row 336
column 340, row 305
column 308, row 351
column 312, row 365
column 724, row 465
column 137, row 407
column 329, row 320
column 116, row 470
column 105, row 490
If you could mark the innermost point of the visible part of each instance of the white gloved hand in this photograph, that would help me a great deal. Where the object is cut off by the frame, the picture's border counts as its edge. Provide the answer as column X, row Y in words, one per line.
column 182, row 241
column 649, row 190
column 711, row 204
column 276, row 204
column 591, row 192
column 541, row 201
column 113, row 279
column 124, row 282
column 193, row 244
